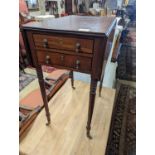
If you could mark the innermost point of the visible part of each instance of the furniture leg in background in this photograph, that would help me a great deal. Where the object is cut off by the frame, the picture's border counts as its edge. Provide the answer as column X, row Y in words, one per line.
column 42, row 7
column 92, row 95
column 43, row 92
column 100, row 86
column 72, row 79
column 101, row 82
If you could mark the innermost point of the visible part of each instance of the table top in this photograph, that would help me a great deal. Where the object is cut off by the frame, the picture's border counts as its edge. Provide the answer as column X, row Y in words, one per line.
column 75, row 24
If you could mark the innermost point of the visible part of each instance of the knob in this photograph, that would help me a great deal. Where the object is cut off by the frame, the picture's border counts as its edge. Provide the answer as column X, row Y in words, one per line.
column 47, row 59
column 45, row 43
column 77, row 64
column 77, row 47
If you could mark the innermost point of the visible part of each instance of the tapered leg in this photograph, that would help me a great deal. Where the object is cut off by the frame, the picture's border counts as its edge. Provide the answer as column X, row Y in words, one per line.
column 72, row 79
column 91, row 105
column 100, row 87
column 43, row 92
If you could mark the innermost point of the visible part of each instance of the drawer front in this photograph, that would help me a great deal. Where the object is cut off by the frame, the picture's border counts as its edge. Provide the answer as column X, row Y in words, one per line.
column 64, row 43
column 77, row 63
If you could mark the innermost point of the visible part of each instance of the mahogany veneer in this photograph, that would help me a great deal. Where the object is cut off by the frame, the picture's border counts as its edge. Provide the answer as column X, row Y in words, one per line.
column 77, row 43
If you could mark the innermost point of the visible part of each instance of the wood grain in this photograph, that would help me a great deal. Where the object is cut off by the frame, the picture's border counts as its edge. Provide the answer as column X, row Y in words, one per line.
column 99, row 26
column 99, row 30
column 67, row 134
column 64, row 60
column 64, row 43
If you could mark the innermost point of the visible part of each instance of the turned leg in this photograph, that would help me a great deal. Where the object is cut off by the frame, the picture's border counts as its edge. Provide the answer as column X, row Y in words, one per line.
column 100, row 87
column 72, row 79
column 43, row 92
column 92, row 94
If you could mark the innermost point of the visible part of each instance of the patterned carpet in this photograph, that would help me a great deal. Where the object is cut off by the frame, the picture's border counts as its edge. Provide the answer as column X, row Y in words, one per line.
column 30, row 102
column 25, row 79
column 126, row 69
column 122, row 137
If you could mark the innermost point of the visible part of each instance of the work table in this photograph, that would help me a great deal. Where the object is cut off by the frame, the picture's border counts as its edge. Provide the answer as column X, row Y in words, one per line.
column 76, row 43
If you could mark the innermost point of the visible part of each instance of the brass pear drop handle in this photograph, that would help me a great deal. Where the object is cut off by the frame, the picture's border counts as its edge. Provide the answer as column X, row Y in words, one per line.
column 77, row 47
column 45, row 43
column 77, row 64
column 47, row 59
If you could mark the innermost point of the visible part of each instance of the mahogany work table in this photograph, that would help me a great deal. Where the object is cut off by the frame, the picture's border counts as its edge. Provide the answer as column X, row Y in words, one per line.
column 76, row 43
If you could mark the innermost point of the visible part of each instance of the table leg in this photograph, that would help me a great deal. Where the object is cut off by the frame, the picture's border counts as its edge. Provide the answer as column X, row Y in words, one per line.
column 72, row 79
column 43, row 92
column 92, row 94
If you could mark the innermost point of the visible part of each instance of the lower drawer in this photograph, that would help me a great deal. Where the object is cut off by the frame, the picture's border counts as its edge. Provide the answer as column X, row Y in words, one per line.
column 73, row 62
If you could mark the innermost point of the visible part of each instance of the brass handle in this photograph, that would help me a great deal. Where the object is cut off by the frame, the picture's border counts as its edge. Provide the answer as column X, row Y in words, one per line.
column 77, row 47
column 77, row 64
column 45, row 43
column 47, row 59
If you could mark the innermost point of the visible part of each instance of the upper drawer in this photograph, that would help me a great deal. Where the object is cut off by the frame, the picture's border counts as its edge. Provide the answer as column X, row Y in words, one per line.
column 65, row 43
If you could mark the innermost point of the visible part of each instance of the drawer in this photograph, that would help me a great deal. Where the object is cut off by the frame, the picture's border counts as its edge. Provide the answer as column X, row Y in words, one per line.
column 64, row 60
column 63, row 43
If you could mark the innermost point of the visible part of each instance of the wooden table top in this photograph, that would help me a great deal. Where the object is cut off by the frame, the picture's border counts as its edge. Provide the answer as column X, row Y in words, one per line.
column 75, row 24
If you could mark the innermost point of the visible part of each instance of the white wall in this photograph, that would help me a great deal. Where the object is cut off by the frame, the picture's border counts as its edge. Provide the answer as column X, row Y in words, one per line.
column 119, row 3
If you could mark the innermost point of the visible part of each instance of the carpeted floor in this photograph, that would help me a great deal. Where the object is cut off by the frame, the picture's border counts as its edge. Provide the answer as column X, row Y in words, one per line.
column 30, row 100
column 126, row 69
column 122, row 136
column 25, row 79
